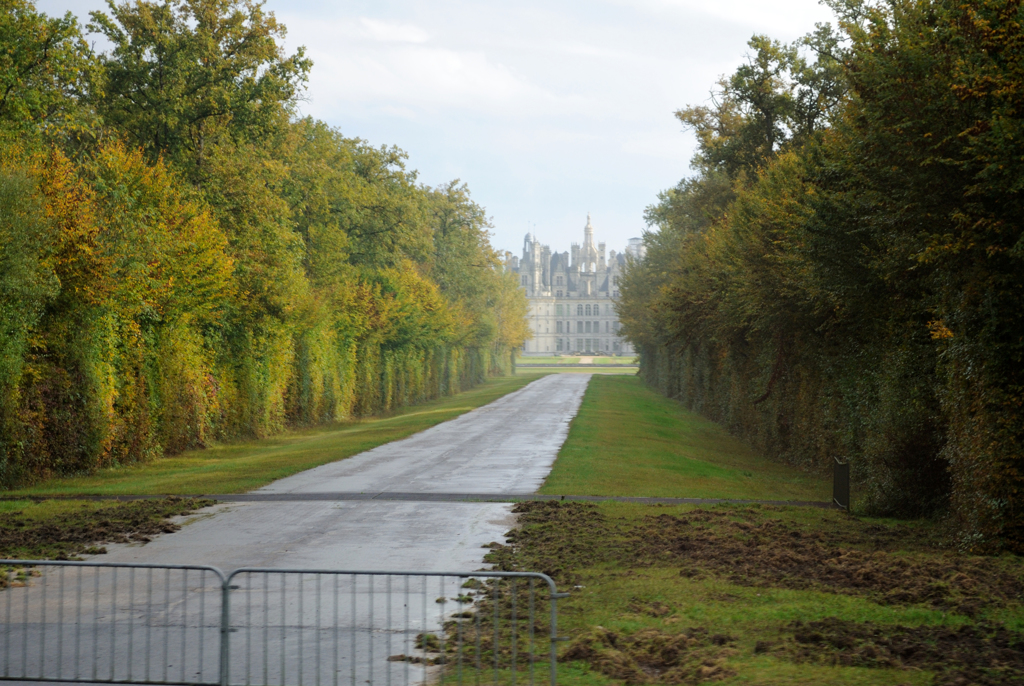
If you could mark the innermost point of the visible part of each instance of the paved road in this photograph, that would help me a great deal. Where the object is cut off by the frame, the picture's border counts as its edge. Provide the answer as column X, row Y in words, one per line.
column 505, row 447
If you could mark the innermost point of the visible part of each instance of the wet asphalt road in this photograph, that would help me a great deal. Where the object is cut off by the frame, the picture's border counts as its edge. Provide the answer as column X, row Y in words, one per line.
column 507, row 446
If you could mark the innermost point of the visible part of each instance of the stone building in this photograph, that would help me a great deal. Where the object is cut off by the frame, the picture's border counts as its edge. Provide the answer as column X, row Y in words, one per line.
column 572, row 296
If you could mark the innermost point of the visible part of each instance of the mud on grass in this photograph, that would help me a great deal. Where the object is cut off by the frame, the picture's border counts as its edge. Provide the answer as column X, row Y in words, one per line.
column 758, row 546
column 982, row 655
column 63, row 530
column 663, row 583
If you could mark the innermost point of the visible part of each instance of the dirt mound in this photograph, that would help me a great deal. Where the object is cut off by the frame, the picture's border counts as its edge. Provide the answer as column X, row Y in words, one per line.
column 750, row 546
column 78, row 532
column 650, row 656
column 981, row 655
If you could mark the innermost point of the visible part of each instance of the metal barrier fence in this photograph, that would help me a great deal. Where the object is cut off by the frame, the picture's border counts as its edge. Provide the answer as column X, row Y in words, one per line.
column 196, row 626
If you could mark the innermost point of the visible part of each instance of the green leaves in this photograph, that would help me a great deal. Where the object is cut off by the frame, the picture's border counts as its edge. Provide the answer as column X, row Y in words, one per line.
column 43, row 67
column 184, row 72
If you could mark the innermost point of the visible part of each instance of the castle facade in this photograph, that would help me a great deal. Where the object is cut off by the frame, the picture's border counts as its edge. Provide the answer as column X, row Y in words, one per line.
column 572, row 296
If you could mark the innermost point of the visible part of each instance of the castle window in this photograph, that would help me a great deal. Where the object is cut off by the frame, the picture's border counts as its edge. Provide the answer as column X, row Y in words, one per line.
column 588, row 328
column 579, row 310
column 559, row 294
column 588, row 310
column 579, row 343
column 524, row 279
column 558, row 341
column 558, row 308
column 579, row 327
column 558, row 328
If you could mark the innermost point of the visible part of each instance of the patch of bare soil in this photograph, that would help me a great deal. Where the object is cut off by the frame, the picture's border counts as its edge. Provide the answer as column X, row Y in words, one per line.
column 650, row 656
column 980, row 655
column 749, row 546
column 78, row 532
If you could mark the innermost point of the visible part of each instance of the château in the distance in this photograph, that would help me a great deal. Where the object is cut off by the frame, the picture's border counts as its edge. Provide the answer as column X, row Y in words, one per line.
column 572, row 296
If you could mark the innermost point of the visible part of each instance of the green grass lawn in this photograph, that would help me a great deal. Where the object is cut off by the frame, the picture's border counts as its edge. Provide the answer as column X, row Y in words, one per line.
column 629, row 440
column 573, row 359
column 244, row 465
column 582, row 369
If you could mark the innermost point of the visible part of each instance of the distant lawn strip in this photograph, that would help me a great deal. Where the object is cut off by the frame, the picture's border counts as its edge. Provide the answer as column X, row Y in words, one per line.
column 570, row 360
column 245, row 465
column 578, row 369
column 56, row 530
column 629, row 440
column 767, row 595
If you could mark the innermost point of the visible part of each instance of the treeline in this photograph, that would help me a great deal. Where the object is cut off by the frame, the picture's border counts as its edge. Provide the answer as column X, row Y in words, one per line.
column 842, row 277
column 183, row 259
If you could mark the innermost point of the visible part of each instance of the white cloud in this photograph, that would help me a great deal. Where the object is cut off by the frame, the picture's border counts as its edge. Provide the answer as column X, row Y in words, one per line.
column 393, row 33
column 782, row 20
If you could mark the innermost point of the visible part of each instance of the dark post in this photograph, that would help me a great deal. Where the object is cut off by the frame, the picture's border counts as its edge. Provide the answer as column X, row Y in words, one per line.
column 841, row 484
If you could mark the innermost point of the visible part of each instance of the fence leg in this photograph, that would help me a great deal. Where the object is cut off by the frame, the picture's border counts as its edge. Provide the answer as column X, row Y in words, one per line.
column 841, row 484
column 225, row 630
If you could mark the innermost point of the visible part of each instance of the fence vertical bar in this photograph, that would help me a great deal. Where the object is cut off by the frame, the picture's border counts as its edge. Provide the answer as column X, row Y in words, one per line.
column 369, row 633
column 202, row 621
column 42, row 626
column 532, row 620
column 299, row 624
column 515, row 630
column 113, row 619
column 334, row 678
column 78, row 623
column 352, row 638
column 266, row 629
column 405, row 644
column 494, row 641
column 96, row 630
column 248, row 628
column 7, row 625
column 149, row 615
column 131, row 619
column 317, row 632
column 283, row 625
column 60, row 624
column 387, row 628
column 479, row 646
column 225, row 632
column 440, row 634
column 458, row 630
column 167, row 621
column 184, row 620
column 554, row 637
column 24, row 629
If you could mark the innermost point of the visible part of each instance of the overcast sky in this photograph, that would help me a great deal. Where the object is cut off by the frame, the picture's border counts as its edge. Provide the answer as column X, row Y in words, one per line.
column 547, row 109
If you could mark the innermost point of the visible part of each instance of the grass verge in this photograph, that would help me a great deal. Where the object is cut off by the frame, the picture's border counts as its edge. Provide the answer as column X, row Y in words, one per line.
column 242, row 466
column 768, row 595
column 629, row 440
